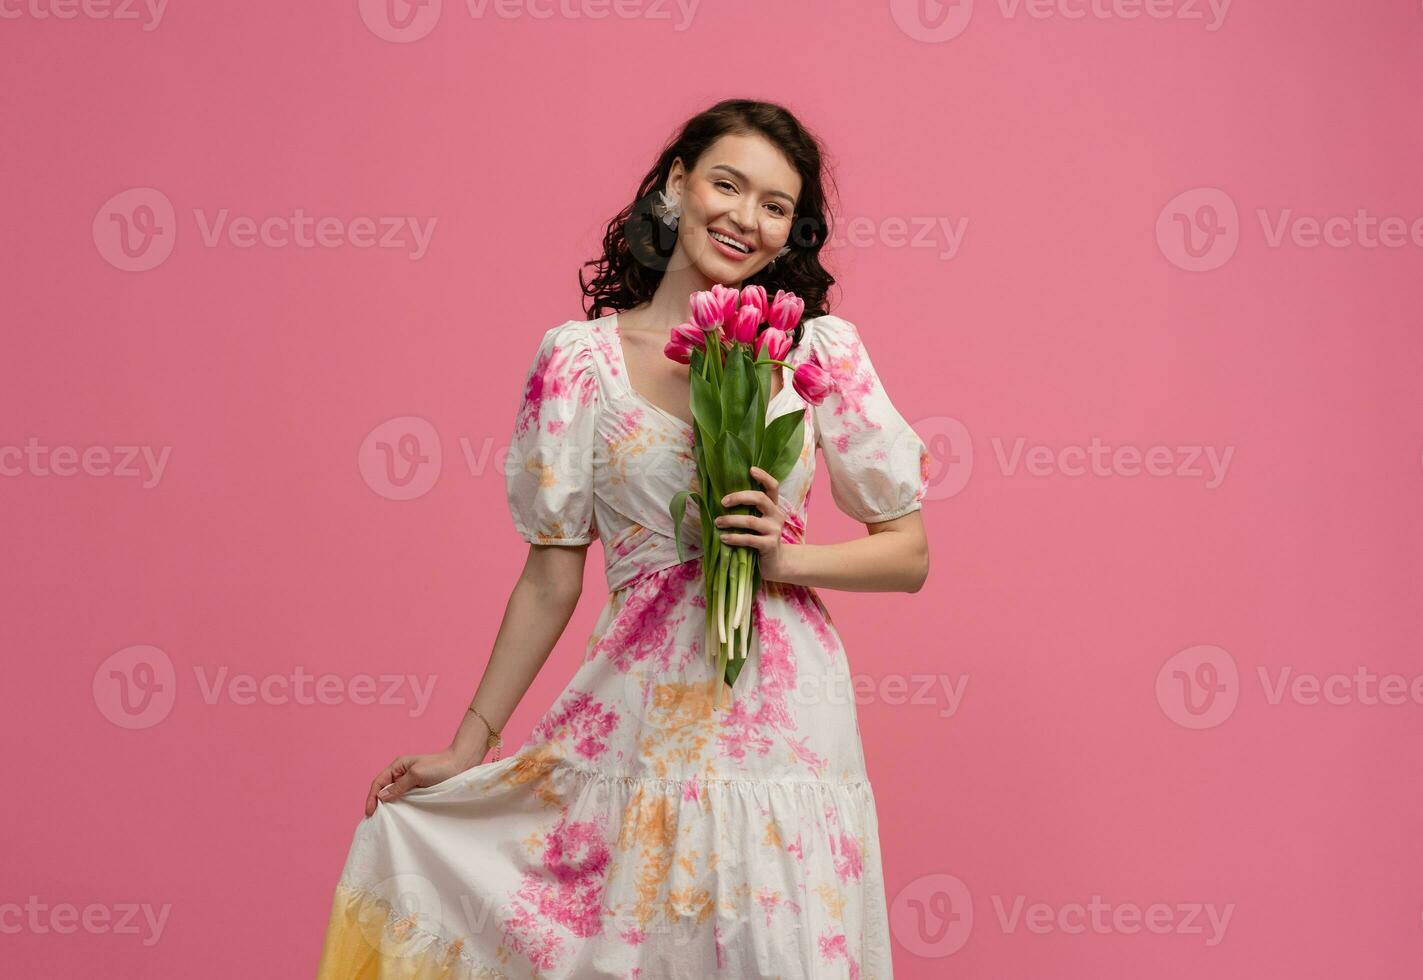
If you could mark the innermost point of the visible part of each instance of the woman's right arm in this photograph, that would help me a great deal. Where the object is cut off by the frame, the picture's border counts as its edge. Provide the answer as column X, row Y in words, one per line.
column 538, row 610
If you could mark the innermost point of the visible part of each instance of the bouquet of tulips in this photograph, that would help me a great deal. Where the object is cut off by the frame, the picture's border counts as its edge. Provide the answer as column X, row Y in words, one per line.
column 734, row 341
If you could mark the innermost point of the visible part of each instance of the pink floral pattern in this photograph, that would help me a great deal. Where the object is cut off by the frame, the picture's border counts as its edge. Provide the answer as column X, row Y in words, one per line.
column 637, row 832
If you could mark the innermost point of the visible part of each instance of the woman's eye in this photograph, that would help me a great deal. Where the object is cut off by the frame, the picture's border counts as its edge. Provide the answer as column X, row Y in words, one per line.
column 726, row 183
column 780, row 212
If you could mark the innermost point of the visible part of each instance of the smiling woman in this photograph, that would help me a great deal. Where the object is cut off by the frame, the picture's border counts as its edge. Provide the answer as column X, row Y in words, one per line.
column 639, row 831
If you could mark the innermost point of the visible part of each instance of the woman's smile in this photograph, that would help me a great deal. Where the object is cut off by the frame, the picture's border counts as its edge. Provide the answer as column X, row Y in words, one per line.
column 724, row 243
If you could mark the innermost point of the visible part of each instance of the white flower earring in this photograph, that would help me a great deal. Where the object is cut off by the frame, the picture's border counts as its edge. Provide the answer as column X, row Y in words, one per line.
column 669, row 210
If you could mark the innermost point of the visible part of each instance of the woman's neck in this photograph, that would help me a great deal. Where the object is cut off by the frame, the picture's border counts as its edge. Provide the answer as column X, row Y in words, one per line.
column 671, row 302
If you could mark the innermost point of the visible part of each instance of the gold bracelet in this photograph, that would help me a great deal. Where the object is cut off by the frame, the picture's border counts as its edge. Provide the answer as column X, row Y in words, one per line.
column 495, row 740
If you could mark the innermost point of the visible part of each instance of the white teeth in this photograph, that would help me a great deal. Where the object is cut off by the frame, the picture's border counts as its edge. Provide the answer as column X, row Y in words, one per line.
column 729, row 241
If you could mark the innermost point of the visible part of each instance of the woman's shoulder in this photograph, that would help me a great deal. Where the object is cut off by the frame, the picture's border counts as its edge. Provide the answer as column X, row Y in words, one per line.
column 570, row 333
column 829, row 334
column 579, row 351
column 581, row 340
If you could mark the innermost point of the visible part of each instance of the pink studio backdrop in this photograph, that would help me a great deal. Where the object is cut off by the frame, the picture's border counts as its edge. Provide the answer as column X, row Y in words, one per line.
column 1144, row 274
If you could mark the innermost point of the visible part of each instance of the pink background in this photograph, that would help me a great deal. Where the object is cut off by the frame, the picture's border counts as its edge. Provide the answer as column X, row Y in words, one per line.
column 1068, row 313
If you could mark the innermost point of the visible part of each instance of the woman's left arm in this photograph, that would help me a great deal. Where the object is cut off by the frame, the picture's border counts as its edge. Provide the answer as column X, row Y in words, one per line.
column 892, row 557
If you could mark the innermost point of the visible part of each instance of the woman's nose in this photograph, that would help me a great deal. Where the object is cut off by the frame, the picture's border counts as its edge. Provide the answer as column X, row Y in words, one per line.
column 745, row 218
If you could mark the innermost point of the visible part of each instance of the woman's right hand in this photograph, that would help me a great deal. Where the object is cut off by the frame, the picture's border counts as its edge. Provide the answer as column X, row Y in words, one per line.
column 410, row 771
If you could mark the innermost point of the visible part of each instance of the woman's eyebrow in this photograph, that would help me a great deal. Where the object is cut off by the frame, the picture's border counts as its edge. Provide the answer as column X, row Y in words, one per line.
column 745, row 179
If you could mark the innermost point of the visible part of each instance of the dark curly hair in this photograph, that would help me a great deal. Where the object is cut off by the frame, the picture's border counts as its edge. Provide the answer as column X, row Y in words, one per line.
column 637, row 245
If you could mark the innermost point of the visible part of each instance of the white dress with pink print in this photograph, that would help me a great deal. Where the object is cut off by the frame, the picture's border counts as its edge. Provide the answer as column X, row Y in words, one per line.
column 638, row 833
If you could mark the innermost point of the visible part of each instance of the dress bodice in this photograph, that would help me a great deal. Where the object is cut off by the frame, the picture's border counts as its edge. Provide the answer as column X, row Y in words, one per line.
column 591, row 457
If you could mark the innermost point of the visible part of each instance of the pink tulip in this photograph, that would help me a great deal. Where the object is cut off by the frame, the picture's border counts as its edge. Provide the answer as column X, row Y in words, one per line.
column 680, row 353
column 786, row 311
column 812, row 382
column 728, row 298
column 742, row 327
column 686, row 337
column 706, row 310
column 689, row 334
column 776, row 341
column 755, row 296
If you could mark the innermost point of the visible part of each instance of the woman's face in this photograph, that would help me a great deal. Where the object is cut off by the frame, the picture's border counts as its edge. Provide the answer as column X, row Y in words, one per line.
column 742, row 188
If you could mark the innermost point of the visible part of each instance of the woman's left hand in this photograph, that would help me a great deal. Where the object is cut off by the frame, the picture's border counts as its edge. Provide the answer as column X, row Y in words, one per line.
column 763, row 530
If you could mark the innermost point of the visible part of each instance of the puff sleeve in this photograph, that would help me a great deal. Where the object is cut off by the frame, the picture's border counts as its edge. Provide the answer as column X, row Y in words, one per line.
column 549, row 472
column 879, row 466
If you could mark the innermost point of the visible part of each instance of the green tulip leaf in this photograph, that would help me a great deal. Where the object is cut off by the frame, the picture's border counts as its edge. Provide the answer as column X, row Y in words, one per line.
column 706, row 407
column 785, row 440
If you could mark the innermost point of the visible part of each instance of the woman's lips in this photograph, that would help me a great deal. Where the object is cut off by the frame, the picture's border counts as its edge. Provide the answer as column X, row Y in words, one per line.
column 726, row 249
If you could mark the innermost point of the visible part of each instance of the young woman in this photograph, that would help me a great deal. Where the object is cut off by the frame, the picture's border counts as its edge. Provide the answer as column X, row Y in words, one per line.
column 641, row 832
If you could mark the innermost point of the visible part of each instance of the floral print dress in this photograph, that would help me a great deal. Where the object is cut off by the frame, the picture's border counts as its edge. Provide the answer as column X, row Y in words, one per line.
column 639, row 833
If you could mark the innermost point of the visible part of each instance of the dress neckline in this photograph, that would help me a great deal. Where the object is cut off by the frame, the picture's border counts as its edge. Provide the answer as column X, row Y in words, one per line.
column 617, row 345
